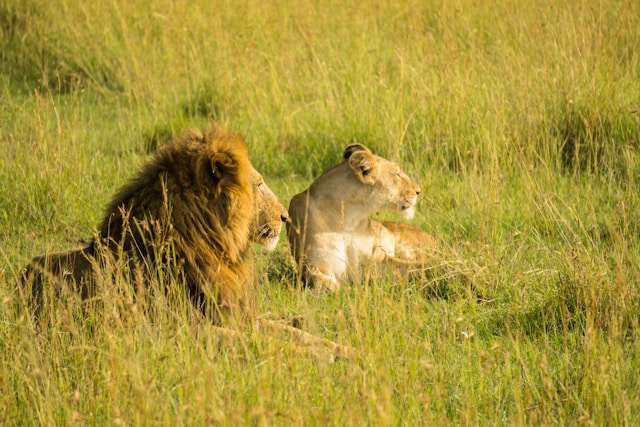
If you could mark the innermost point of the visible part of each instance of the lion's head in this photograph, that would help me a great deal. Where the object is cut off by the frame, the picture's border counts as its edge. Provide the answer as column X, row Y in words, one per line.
column 269, row 215
column 196, row 200
column 268, row 212
column 388, row 187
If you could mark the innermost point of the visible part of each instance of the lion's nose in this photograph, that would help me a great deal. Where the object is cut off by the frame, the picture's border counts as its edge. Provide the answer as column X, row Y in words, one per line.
column 284, row 216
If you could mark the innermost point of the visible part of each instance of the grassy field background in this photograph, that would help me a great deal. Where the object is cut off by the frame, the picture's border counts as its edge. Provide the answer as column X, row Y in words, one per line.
column 520, row 119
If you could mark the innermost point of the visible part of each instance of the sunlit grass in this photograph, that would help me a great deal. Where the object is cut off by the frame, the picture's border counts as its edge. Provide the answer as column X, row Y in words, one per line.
column 520, row 119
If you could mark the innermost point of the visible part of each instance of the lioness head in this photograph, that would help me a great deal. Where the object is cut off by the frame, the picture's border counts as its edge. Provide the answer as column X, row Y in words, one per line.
column 270, row 214
column 392, row 187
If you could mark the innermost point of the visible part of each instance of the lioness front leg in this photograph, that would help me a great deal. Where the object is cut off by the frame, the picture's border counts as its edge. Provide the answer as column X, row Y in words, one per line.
column 326, row 263
column 321, row 280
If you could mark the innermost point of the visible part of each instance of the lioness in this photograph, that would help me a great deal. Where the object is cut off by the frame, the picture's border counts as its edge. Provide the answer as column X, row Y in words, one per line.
column 331, row 234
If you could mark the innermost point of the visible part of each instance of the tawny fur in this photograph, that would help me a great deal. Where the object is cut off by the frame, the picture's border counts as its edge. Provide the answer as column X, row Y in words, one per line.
column 412, row 245
column 331, row 234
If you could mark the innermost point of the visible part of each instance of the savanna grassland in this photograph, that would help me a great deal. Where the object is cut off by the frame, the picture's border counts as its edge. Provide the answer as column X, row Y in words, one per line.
column 521, row 120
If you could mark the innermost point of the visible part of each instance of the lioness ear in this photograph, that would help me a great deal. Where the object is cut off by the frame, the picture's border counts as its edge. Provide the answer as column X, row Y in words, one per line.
column 352, row 148
column 364, row 165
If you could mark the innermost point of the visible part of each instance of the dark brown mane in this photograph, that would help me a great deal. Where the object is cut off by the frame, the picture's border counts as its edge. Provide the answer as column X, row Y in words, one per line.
column 190, row 207
column 194, row 199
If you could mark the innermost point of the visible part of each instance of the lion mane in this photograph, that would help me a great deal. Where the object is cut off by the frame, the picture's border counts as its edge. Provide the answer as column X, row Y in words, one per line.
column 192, row 205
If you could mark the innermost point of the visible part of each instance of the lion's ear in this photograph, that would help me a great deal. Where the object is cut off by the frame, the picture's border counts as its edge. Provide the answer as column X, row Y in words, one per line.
column 364, row 166
column 352, row 148
column 223, row 165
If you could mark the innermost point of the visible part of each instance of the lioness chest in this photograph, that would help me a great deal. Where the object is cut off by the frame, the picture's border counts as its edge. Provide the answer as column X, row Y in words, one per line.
column 346, row 252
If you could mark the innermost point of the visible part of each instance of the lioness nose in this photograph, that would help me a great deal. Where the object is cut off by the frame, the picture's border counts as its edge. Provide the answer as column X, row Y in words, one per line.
column 284, row 216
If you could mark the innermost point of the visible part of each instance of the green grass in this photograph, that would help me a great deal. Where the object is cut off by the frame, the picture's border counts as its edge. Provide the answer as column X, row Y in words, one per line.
column 520, row 119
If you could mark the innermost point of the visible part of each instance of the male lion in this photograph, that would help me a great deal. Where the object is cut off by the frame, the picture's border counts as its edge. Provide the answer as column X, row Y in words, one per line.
column 198, row 204
column 331, row 234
